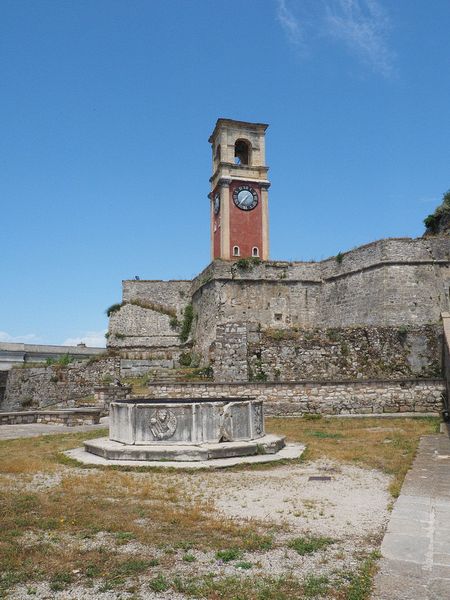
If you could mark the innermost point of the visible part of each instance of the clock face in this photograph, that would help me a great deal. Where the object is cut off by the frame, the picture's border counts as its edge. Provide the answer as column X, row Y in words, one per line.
column 245, row 197
column 216, row 204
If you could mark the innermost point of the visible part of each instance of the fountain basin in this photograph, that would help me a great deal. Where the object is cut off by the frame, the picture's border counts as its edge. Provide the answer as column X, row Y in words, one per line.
column 196, row 430
column 194, row 421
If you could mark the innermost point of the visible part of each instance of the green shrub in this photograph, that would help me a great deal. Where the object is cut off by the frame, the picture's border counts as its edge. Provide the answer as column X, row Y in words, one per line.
column 64, row 360
column 339, row 258
column 174, row 322
column 188, row 317
column 185, row 359
column 113, row 308
column 432, row 221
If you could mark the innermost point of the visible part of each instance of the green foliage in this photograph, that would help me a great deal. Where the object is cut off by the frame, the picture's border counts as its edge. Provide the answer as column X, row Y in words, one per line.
column 60, row 581
column 119, row 336
column 432, row 221
column 308, row 545
column 326, row 435
column 246, row 264
column 174, row 322
column 314, row 586
column 185, row 359
column 62, row 361
column 113, row 308
column 228, row 555
column 361, row 583
column 189, row 558
column 339, row 258
column 159, row 584
column 188, row 317
column 242, row 564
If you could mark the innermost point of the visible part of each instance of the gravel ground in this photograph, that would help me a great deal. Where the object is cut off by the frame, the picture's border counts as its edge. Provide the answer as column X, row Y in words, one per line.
column 351, row 508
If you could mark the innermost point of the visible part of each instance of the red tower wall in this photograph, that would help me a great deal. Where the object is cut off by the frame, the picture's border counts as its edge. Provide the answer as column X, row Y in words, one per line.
column 245, row 226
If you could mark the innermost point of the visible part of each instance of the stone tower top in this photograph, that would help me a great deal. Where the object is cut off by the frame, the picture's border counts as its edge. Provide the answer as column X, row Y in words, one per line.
column 239, row 191
column 239, row 151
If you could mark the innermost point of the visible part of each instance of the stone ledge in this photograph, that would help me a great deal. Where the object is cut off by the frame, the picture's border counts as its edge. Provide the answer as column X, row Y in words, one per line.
column 289, row 452
column 68, row 417
column 111, row 450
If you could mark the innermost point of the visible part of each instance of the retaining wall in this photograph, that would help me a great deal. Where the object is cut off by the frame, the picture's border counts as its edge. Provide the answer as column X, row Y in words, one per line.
column 328, row 398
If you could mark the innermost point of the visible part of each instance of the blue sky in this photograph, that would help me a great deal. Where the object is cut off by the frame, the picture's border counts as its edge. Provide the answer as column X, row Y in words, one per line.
column 105, row 111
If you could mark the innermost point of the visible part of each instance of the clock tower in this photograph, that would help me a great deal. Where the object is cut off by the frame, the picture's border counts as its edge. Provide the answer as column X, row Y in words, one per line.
column 239, row 191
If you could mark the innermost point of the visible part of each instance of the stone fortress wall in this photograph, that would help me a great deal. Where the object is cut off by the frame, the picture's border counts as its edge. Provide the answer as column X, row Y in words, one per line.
column 260, row 319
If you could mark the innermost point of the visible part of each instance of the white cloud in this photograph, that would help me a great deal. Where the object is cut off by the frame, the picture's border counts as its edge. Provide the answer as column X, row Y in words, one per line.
column 28, row 338
column 92, row 339
column 290, row 23
column 361, row 25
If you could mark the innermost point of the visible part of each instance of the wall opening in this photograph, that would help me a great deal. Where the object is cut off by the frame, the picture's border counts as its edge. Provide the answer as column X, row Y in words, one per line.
column 236, row 251
column 255, row 251
column 242, row 152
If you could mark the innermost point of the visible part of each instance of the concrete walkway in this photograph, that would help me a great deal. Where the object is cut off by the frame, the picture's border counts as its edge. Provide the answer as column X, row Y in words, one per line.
column 11, row 432
column 416, row 547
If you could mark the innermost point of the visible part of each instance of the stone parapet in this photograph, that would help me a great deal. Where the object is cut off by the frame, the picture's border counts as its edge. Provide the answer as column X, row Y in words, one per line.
column 70, row 418
column 327, row 398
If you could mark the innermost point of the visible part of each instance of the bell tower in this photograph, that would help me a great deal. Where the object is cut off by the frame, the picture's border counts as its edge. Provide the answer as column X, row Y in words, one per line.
column 239, row 191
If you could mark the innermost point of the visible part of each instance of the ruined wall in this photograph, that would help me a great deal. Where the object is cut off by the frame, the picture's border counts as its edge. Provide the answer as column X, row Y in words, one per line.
column 327, row 398
column 147, row 326
column 245, row 351
column 174, row 294
column 40, row 387
column 346, row 353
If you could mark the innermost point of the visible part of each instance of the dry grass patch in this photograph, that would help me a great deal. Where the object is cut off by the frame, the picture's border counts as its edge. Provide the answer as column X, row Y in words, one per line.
column 156, row 509
column 72, row 529
column 385, row 444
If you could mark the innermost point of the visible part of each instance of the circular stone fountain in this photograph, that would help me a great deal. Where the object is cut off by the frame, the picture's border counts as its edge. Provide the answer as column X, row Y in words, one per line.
column 185, row 430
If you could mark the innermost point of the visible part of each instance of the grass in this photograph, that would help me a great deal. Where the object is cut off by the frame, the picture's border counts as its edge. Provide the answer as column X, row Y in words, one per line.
column 385, row 444
column 303, row 545
column 167, row 512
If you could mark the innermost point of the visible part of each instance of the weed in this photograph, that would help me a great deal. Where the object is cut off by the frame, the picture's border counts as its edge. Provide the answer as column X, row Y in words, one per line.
column 228, row 555
column 308, row 545
column 339, row 258
column 159, row 584
column 361, row 583
column 174, row 322
column 60, row 581
column 189, row 558
column 188, row 316
column 315, row 586
column 243, row 565
column 324, row 435
column 124, row 536
column 113, row 308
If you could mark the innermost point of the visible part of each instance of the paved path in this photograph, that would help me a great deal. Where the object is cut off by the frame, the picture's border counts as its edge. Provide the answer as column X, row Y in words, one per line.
column 416, row 547
column 10, row 432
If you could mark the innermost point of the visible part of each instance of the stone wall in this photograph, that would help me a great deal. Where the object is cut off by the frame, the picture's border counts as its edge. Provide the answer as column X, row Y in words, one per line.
column 388, row 283
column 345, row 353
column 40, row 387
column 327, row 398
column 3, row 380
column 69, row 418
column 147, row 326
